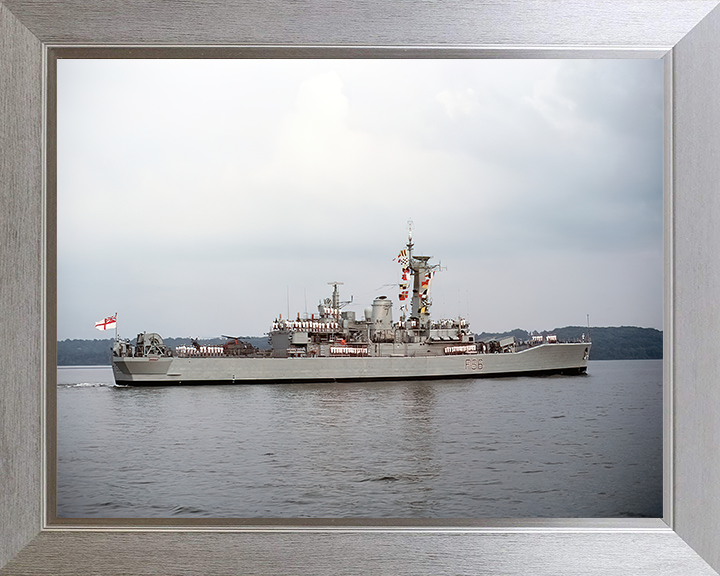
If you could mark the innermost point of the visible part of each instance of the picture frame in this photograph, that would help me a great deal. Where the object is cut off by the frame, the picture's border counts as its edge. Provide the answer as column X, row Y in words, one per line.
column 684, row 33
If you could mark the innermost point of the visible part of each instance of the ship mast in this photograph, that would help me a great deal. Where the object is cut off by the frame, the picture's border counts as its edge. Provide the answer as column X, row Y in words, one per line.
column 410, row 242
column 335, row 295
column 420, row 270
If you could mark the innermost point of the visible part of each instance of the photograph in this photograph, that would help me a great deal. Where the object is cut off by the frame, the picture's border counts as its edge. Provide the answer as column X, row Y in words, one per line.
column 359, row 288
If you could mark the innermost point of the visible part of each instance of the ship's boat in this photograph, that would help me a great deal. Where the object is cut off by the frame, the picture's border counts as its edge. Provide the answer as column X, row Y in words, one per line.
column 333, row 345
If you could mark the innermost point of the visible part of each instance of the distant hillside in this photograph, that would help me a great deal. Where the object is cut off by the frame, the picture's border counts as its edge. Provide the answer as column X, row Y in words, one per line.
column 84, row 352
column 613, row 343
column 610, row 343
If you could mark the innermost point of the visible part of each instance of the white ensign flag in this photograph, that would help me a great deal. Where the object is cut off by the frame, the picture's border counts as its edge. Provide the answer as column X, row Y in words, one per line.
column 107, row 323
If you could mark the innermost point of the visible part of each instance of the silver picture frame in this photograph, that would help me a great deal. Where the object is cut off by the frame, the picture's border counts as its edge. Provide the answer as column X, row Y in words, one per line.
column 685, row 33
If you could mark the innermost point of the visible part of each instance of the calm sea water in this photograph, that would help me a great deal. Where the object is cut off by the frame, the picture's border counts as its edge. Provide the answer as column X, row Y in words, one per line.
column 516, row 447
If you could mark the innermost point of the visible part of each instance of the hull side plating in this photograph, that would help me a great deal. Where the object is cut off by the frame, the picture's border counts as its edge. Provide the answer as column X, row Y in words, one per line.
column 543, row 359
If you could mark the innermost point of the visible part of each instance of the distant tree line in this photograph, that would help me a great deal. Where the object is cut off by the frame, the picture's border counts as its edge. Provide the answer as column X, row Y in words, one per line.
column 612, row 343
column 609, row 343
column 618, row 343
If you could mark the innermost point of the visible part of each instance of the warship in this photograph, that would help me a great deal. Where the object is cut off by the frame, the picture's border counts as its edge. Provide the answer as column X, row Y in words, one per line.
column 336, row 346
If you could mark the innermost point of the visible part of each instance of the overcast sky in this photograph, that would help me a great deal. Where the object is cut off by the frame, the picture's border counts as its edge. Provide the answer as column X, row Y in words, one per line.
column 203, row 197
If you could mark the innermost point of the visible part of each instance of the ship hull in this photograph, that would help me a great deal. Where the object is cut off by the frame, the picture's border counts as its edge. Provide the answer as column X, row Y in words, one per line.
column 569, row 358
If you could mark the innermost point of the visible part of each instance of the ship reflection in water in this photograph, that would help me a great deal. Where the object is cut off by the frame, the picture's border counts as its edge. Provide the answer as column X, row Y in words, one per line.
column 513, row 447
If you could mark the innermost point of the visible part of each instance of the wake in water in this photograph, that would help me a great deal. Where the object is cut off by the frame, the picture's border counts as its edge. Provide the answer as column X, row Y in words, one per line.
column 90, row 385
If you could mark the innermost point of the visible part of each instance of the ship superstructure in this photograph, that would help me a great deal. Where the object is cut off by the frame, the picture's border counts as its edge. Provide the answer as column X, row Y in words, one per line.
column 335, row 332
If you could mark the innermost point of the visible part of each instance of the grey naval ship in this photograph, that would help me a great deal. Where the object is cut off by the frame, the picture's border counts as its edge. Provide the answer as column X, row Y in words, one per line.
column 335, row 346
